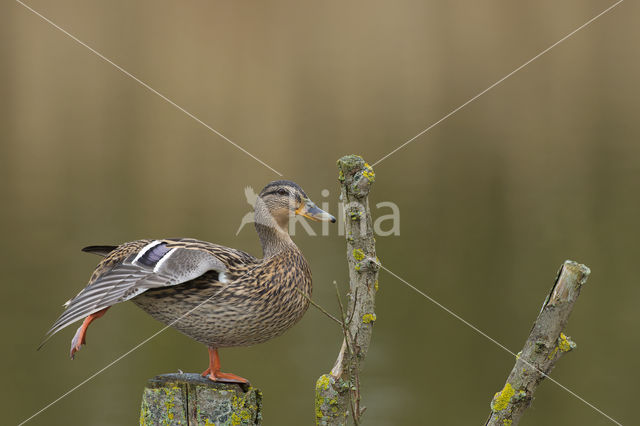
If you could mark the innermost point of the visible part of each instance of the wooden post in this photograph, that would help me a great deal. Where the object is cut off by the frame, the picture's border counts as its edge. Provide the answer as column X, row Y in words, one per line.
column 190, row 399
column 338, row 392
column 545, row 345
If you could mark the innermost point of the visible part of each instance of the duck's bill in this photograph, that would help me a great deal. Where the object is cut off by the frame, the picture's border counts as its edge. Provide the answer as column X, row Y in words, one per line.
column 311, row 211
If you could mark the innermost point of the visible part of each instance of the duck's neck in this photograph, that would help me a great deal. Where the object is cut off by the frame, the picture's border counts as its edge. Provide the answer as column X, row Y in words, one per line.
column 274, row 241
column 274, row 236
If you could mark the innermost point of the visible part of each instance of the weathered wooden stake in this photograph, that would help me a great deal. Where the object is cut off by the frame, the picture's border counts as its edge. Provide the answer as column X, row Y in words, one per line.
column 189, row 399
column 545, row 345
column 338, row 392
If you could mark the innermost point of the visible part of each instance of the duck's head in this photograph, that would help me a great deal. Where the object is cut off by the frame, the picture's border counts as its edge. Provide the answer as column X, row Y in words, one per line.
column 282, row 199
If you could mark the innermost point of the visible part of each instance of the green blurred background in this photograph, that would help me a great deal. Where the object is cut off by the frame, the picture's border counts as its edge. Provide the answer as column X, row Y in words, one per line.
column 542, row 168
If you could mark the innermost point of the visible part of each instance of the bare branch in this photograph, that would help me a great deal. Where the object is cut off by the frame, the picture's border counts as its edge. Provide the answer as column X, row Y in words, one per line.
column 545, row 345
column 338, row 392
column 321, row 309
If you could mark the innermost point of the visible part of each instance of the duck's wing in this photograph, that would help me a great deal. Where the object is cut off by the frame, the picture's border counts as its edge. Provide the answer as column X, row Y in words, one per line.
column 135, row 267
column 99, row 250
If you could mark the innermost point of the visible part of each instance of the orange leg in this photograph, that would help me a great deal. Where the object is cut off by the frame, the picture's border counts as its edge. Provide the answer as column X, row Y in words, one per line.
column 213, row 372
column 80, row 337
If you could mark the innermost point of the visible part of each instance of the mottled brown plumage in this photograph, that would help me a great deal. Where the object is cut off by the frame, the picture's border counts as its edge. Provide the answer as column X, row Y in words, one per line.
column 216, row 295
column 260, row 301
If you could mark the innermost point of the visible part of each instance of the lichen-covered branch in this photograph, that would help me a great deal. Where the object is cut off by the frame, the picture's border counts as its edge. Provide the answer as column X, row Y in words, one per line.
column 338, row 392
column 187, row 398
column 545, row 345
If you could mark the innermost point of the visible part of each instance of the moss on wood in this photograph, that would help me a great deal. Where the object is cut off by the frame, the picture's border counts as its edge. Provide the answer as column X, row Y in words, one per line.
column 189, row 399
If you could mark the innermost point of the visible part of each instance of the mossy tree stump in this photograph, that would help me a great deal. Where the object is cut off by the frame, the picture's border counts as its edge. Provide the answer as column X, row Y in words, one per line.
column 189, row 399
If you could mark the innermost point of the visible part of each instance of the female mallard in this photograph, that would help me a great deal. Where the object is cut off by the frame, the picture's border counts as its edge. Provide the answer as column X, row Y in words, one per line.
column 216, row 295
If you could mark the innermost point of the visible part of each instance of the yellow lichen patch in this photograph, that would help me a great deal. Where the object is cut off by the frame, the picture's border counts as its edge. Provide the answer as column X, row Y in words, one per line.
column 565, row 344
column 241, row 414
column 368, row 172
column 358, row 254
column 323, row 382
column 507, row 422
column 501, row 399
column 319, row 414
column 375, row 285
column 236, row 419
column 367, row 318
column 143, row 414
column 170, row 403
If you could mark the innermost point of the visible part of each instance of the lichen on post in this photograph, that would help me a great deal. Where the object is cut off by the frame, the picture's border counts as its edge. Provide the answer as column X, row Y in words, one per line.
column 338, row 392
column 189, row 399
column 544, row 346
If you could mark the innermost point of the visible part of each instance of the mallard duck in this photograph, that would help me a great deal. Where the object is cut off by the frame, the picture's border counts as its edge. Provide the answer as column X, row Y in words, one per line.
column 217, row 295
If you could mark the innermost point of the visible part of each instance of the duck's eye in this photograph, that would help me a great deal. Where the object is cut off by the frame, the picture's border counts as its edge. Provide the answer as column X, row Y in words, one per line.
column 283, row 191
